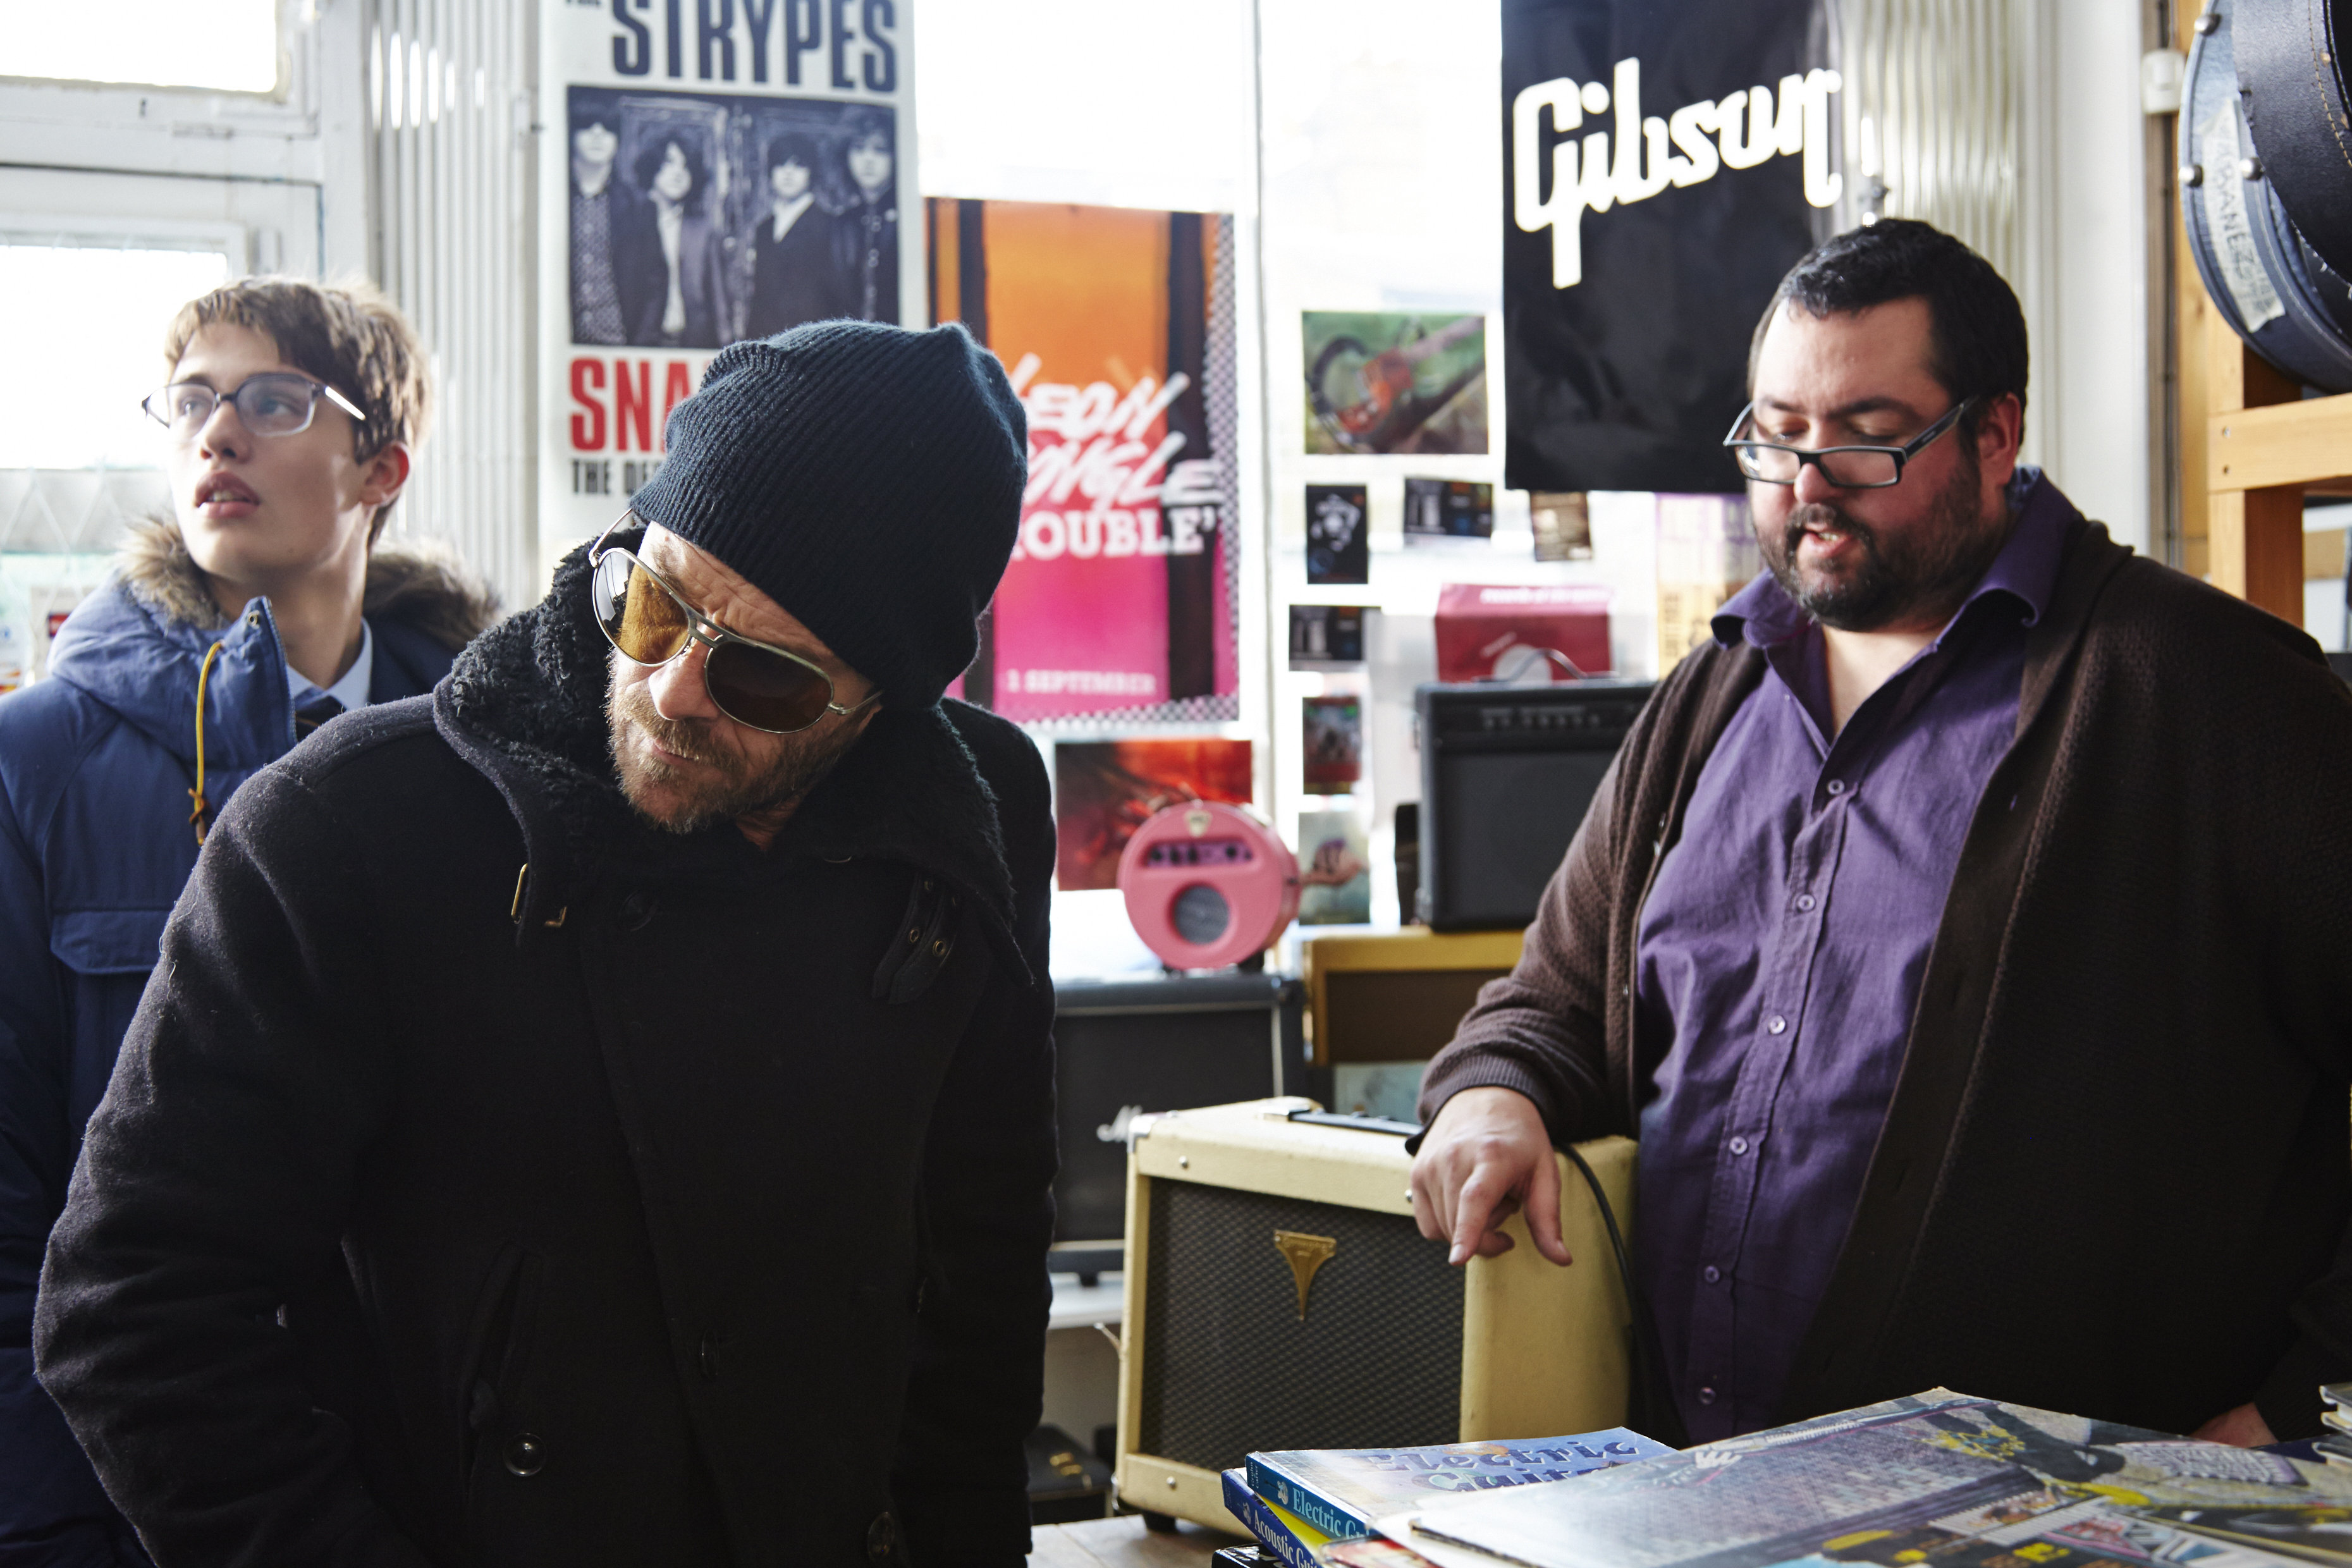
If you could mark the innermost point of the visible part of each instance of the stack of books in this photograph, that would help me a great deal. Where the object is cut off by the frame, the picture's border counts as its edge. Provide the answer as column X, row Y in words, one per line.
column 1938, row 1480
column 1310, row 1508
column 2335, row 1445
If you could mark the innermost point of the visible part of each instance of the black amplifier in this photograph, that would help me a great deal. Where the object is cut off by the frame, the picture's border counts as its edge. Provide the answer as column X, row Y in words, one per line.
column 1506, row 773
column 1128, row 1049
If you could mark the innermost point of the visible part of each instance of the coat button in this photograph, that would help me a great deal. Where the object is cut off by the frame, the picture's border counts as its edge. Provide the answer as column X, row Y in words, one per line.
column 881, row 1538
column 635, row 911
column 526, row 1454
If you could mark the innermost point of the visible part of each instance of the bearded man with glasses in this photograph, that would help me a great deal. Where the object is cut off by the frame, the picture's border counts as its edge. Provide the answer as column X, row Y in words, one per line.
column 1962, row 930
column 602, row 1112
column 264, row 604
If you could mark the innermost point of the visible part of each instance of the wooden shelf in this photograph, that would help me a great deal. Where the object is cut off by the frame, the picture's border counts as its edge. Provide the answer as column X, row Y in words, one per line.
column 2304, row 443
column 2251, row 444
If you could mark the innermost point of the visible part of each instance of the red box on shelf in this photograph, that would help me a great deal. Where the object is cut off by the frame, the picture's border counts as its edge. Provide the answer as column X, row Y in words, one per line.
column 1479, row 624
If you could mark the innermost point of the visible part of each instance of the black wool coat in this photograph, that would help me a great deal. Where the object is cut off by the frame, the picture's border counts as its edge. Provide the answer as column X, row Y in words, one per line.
column 491, row 1178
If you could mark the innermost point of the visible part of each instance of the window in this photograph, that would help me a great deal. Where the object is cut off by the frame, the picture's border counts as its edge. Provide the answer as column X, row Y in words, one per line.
column 223, row 46
column 84, row 322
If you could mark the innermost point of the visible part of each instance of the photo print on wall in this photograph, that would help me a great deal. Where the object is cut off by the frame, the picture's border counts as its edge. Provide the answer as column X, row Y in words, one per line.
column 698, row 219
column 1334, row 869
column 1105, row 790
column 1443, row 512
column 1333, row 735
column 1323, row 636
column 1381, row 382
column 1339, row 534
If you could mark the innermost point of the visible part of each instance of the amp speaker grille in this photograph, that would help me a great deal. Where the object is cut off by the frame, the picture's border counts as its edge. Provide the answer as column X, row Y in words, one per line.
column 1229, row 1367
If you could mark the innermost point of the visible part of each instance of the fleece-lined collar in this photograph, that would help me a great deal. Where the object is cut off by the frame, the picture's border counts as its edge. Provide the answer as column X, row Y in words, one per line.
column 138, row 643
column 525, row 706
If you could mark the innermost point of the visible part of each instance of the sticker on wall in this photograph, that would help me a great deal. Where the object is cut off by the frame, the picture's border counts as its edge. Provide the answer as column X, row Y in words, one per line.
column 1105, row 790
column 1339, row 534
column 1381, row 382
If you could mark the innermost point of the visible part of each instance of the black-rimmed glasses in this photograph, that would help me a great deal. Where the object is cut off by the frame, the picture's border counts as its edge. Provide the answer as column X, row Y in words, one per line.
column 275, row 403
column 649, row 622
column 1847, row 468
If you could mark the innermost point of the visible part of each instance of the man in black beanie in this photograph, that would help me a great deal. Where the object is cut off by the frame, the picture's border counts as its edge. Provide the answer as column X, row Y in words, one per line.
column 601, row 1112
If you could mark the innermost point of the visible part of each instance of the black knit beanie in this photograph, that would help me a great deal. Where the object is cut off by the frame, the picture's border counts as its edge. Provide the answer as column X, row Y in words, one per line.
column 867, row 477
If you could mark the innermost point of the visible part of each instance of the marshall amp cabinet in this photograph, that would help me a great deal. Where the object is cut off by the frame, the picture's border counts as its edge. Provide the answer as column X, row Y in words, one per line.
column 1506, row 773
column 1279, row 1295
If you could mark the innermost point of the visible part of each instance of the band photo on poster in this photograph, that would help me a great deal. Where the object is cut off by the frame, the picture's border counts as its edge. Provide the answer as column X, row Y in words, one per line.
column 698, row 219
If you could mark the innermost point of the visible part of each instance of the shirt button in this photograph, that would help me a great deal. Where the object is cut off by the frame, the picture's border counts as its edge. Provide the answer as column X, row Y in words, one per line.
column 1711, row 1274
column 1739, row 1145
column 1837, row 786
column 1706, row 1396
column 1805, row 902
column 1777, row 1024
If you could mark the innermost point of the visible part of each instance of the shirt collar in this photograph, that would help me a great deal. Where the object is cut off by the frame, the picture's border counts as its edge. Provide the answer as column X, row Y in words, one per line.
column 788, row 213
column 1763, row 615
column 352, row 690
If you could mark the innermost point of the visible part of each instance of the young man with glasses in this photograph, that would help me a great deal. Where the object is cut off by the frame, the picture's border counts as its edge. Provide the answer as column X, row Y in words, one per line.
column 1962, row 932
column 603, row 1113
column 261, row 607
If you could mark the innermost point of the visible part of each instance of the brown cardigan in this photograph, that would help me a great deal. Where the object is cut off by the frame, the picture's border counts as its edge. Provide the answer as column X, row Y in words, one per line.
column 2113, row 1179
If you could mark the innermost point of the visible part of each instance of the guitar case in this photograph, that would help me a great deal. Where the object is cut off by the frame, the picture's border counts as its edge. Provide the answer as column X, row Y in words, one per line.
column 2261, row 76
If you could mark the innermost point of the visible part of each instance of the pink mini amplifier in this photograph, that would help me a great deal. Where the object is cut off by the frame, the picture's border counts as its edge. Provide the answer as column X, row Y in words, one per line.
column 1207, row 884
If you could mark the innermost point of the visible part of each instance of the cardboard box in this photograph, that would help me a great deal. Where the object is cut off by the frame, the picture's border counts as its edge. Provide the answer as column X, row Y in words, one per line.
column 1480, row 623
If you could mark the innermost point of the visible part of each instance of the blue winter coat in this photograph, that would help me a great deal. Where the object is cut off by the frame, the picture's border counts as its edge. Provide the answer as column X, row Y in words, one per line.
column 96, row 767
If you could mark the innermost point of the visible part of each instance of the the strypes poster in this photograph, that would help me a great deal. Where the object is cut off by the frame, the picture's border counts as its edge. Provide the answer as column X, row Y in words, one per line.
column 709, row 170
column 1117, row 326
column 1663, row 166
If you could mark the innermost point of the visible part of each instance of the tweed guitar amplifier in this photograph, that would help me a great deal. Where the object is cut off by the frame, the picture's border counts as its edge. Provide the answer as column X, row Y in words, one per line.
column 1279, row 1295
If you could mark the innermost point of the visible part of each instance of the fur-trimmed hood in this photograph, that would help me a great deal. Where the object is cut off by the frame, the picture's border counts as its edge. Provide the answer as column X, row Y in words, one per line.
column 138, row 645
column 525, row 705
column 417, row 583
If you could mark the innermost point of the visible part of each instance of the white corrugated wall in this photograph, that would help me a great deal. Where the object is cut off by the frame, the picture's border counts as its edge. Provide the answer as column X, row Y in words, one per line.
column 449, row 112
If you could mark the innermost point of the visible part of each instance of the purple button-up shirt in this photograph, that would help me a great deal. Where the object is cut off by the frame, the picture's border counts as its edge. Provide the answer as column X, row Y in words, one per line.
column 1781, row 950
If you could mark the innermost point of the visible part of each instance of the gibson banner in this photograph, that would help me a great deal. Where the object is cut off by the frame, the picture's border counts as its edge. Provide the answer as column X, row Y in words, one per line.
column 1117, row 327
column 709, row 171
column 1663, row 168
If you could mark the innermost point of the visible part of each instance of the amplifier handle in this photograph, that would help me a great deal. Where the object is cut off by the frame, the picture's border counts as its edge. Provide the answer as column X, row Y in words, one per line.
column 1356, row 1124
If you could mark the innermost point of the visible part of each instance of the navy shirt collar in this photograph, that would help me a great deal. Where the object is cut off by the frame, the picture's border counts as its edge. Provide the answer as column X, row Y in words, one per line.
column 1763, row 615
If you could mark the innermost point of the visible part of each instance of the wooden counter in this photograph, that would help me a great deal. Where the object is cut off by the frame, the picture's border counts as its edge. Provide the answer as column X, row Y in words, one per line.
column 1123, row 1543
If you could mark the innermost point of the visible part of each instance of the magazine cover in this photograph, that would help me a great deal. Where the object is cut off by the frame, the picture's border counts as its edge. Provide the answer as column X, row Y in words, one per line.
column 1342, row 1491
column 1937, row 1478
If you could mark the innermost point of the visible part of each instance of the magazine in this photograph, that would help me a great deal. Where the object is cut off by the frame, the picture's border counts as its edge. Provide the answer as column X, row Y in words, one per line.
column 1342, row 1491
column 1938, row 1480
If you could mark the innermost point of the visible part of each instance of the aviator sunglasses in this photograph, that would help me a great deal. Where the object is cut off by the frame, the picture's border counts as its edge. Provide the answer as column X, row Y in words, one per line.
column 650, row 622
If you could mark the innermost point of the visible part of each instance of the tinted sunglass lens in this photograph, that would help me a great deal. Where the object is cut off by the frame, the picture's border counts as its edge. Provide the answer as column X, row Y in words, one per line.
column 635, row 611
column 765, row 690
